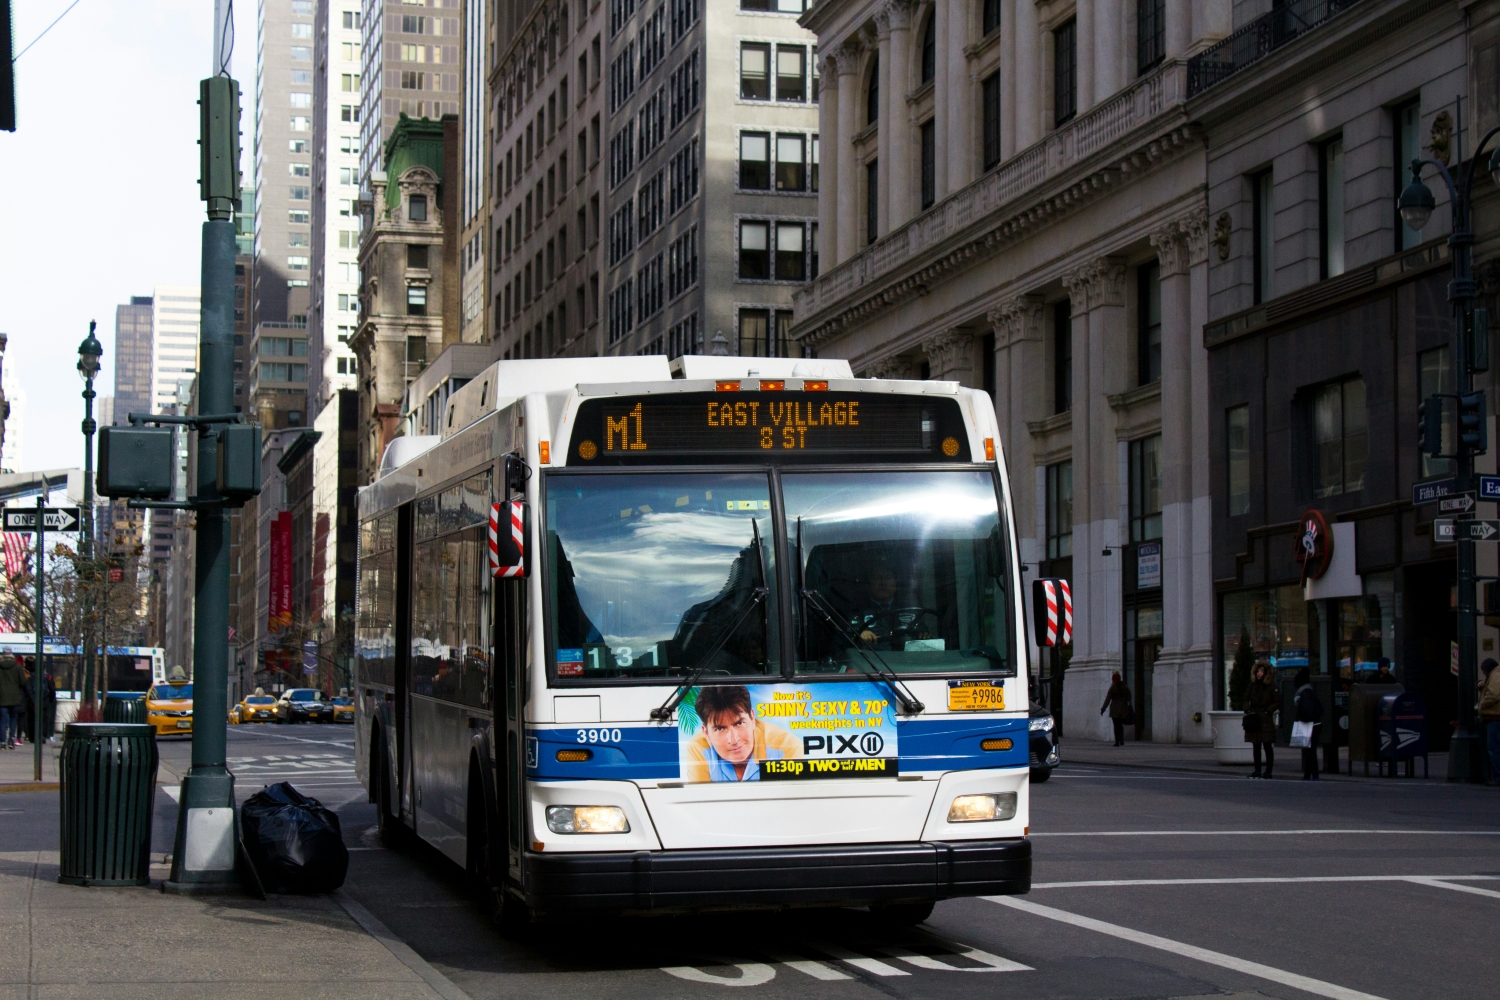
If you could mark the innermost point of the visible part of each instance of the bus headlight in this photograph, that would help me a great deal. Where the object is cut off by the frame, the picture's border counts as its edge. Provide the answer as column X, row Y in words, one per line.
column 982, row 808
column 600, row 819
column 1042, row 722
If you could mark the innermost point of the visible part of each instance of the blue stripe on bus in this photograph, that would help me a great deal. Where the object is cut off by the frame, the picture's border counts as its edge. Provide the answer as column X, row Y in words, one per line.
column 939, row 743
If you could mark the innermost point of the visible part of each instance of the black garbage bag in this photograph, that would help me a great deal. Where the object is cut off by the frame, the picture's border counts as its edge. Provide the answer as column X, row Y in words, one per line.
column 293, row 842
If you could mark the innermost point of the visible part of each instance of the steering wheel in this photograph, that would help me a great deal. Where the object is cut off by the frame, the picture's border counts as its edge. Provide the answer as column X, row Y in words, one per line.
column 903, row 621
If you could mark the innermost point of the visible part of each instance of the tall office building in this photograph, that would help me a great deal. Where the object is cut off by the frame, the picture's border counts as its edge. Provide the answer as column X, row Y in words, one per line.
column 410, row 65
column 175, row 312
column 473, row 201
column 15, row 410
column 333, row 302
column 133, row 357
column 613, row 142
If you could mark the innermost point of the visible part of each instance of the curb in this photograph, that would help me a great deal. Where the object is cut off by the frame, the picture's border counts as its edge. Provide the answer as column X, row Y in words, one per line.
column 29, row 786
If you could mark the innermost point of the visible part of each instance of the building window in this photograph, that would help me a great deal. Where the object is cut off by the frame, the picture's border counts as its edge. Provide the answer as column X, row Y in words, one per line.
column 1064, row 72
column 791, row 264
column 416, row 300
column 1060, row 510
column 684, row 86
column 417, row 208
column 1408, row 122
column 682, row 263
column 1435, row 375
column 1237, row 444
column 682, row 174
column 990, row 19
column 755, row 79
column 754, row 341
column 929, row 164
column 1150, row 34
column 1331, row 174
column 755, row 263
column 1340, row 439
column 791, row 73
column 872, row 204
column 812, row 251
column 929, row 49
column 990, row 91
column 1062, row 356
column 416, row 255
column 813, row 171
column 755, row 160
column 1263, row 234
column 791, row 168
column 1148, row 332
column 872, row 93
column 1145, row 489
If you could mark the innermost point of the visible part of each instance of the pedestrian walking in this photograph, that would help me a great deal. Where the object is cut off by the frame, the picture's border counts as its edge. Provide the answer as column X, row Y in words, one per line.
column 1261, row 702
column 27, row 712
column 49, row 704
column 10, row 700
column 1489, row 714
column 1310, row 711
column 1117, row 703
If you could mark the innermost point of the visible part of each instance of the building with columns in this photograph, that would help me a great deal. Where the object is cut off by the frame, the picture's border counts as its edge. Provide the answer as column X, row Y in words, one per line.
column 1014, row 198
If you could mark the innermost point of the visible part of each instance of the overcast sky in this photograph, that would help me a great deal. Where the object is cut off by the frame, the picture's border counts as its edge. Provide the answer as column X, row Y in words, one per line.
column 99, row 187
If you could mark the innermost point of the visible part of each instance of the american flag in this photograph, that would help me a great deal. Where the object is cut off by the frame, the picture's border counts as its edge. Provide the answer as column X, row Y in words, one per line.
column 17, row 553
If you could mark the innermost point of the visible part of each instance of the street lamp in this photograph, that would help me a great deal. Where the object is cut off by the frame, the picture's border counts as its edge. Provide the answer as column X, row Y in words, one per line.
column 1471, row 333
column 89, row 353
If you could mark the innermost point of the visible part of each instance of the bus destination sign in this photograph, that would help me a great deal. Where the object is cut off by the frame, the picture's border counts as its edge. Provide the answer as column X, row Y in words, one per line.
column 768, row 426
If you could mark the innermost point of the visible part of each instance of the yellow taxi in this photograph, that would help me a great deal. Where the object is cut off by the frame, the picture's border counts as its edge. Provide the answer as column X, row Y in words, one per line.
column 169, row 707
column 343, row 707
column 257, row 707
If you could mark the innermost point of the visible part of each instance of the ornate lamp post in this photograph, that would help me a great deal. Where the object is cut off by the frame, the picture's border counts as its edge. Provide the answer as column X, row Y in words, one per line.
column 1471, row 343
column 89, row 353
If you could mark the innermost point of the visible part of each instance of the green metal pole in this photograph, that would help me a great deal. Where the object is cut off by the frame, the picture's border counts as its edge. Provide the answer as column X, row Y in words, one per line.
column 88, row 530
column 41, row 635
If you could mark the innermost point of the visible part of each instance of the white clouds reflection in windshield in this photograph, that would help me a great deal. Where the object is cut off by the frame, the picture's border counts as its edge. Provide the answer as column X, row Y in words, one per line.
column 647, row 571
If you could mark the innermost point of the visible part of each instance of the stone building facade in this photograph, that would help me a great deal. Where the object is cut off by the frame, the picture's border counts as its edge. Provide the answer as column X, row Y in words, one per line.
column 1013, row 197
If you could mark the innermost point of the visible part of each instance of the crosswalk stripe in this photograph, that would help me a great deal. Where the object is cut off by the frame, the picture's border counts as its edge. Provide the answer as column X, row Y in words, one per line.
column 808, row 967
column 873, row 965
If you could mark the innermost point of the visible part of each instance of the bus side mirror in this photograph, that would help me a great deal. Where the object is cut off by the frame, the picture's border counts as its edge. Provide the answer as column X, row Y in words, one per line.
column 510, row 523
column 1052, row 611
column 516, row 474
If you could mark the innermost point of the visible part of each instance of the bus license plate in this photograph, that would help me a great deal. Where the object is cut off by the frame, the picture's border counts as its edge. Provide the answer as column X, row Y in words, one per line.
column 976, row 696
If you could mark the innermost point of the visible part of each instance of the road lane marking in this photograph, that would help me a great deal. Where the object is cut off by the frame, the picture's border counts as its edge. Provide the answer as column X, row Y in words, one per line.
column 808, row 967
column 1443, row 883
column 988, row 962
column 440, row 984
column 1264, row 833
column 1305, row 983
column 173, row 791
column 751, row 974
column 299, row 739
column 1103, row 883
column 873, row 965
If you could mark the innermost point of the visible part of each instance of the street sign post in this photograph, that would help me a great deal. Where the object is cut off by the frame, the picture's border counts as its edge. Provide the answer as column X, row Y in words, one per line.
column 1446, row 529
column 1432, row 492
column 53, row 519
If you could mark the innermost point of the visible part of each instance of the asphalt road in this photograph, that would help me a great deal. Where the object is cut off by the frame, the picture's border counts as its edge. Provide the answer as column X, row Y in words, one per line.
column 1147, row 884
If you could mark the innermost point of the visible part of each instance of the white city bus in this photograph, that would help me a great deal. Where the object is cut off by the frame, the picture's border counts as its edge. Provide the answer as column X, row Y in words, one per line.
column 757, row 639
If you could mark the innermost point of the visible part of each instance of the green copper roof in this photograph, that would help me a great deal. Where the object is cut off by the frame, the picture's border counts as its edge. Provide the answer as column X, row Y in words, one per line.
column 414, row 142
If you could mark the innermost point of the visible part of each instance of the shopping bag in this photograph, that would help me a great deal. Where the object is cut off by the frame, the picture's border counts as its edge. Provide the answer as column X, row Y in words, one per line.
column 1302, row 733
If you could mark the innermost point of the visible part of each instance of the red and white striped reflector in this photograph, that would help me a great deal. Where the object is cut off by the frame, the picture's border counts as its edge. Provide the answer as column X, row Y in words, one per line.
column 1052, row 607
column 507, row 538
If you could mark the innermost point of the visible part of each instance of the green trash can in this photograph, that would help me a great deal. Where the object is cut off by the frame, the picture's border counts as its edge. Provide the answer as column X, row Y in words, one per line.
column 108, row 794
column 125, row 708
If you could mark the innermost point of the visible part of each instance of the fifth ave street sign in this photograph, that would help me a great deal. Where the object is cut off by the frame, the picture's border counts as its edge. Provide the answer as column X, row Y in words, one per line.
column 53, row 519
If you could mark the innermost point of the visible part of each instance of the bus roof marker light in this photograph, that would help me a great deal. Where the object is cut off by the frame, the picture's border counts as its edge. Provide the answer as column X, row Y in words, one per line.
column 989, row 449
column 811, row 386
column 544, row 452
column 729, row 385
column 772, row 385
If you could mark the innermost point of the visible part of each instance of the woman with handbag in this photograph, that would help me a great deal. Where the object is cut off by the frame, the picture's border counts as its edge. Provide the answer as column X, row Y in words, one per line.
column 1117, row 701
column 1261, row 703
column 1309, row 714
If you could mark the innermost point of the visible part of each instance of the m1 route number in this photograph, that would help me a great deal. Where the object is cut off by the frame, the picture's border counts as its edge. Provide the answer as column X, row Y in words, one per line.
column 599, row 736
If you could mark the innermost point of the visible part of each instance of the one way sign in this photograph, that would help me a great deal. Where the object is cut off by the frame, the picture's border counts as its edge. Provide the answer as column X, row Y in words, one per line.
column 53, row 519
column 1448, row 530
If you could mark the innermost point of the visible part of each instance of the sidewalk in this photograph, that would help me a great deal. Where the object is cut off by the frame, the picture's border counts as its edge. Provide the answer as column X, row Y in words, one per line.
column 1200, row 758
column 123, row 943
column 17, row 769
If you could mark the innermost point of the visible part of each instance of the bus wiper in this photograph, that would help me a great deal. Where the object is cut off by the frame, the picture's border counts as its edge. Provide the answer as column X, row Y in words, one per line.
column 663, row 712
column 878, row 667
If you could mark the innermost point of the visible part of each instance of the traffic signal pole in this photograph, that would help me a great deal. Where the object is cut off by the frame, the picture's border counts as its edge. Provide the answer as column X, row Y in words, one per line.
column 203, row 855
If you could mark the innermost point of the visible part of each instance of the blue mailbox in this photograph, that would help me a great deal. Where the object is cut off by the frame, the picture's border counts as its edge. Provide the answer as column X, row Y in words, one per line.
column 1401, row 721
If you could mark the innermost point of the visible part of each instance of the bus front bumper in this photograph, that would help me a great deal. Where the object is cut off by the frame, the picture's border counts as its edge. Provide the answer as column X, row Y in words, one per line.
column 836, row 875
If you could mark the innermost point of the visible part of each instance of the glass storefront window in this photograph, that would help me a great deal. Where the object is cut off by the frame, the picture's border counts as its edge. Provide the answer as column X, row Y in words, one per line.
column 1276, row 622
column 1367, row 628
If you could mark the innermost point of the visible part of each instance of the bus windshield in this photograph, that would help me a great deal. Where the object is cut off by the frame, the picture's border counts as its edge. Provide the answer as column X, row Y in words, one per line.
column 653, row 575
column 913, row 566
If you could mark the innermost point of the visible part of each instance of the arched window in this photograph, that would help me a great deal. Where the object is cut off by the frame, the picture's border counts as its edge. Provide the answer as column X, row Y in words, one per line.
column 929, row 49
column 872, row 94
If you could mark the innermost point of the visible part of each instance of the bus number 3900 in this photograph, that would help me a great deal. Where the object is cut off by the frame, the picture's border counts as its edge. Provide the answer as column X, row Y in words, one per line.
column 598, row 736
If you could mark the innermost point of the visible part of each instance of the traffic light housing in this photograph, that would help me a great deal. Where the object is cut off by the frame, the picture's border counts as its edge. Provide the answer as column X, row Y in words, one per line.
column 1430, row 426
column 136, row 462
column 1473, row 434
column 238, row 462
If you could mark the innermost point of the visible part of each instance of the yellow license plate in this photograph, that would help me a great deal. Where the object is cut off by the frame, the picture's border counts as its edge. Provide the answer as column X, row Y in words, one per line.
column 976, row 696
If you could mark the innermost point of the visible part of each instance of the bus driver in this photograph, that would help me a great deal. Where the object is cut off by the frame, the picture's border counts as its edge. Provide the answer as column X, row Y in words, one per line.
column 732, row 742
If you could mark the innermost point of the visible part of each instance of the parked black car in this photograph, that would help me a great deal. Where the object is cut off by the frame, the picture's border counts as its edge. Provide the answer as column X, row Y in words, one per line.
column 1043, row 743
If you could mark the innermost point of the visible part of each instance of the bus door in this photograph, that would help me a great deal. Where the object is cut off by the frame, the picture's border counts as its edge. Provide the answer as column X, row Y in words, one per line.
column 509, row 661
column 401, row 717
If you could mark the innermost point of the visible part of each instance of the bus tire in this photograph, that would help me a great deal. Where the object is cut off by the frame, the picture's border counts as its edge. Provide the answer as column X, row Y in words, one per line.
column 902, row 914
column 393, row 833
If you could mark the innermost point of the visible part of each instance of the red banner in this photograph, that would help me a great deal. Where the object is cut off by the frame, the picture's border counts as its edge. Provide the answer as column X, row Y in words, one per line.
column 280, row 615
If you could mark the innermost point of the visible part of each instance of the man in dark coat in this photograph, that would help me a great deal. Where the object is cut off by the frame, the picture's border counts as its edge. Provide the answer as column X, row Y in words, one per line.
column 10, row 700
column 1261, row 702
column 1117, row 701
